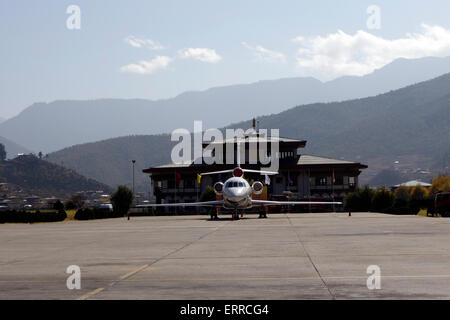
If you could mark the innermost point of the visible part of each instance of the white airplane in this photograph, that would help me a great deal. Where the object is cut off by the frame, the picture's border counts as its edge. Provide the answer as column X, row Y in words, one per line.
column 237, row 194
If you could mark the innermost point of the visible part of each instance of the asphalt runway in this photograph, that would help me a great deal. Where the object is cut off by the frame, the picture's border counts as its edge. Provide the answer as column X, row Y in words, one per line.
column 294, row 256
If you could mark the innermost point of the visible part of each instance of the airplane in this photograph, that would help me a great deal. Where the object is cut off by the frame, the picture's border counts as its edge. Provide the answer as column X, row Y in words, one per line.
column 237, row 193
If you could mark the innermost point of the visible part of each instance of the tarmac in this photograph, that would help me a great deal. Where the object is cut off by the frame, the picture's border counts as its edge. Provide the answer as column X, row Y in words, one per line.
column 287, row 256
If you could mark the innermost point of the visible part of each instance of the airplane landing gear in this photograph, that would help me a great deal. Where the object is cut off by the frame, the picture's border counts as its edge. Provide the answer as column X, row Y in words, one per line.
column 263, row 214
column 214, row 216
column 235, row 215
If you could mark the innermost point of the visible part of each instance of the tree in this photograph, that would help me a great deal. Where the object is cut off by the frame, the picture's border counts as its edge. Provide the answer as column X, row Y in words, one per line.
column 419, row 199
column 419, row 193
column 78, row 200
column 2, row 152
column 402, row 196
column 40, row 154
column 440, row 184
column 382, row 200
column 360, row 199
column 58, row 205
column 208, row 194
column 122, row 200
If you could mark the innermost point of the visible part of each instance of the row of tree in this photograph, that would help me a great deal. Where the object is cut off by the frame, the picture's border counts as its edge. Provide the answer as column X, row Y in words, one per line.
column 406, row 200
column 121, row 200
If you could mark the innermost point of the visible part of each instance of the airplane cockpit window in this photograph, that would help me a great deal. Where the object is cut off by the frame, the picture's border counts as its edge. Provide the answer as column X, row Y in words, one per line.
column 234, row 184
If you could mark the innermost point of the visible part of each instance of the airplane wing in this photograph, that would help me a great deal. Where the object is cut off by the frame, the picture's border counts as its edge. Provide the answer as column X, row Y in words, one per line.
column 216, row 172
column 183, row 204
column 280, row 203
column 260, row 171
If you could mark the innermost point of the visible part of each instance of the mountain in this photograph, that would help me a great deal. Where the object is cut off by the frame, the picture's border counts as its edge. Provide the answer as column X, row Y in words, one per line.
column 41, row 177
column 408, row 126
column 12, row 148
column 61, row 124
column 109, row 161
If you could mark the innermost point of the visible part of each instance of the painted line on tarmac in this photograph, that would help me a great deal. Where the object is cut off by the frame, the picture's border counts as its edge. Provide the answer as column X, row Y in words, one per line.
column 129, row 274
column 123, row 277
column 90, row 294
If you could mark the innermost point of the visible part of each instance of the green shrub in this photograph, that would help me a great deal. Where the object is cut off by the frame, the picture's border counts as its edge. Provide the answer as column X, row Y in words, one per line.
column 359, row 200
column 382, row 200
column 122, row 200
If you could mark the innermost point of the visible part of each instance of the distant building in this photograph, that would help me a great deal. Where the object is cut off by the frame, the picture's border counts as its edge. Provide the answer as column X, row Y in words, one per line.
column 412, row 183
column 300, row 176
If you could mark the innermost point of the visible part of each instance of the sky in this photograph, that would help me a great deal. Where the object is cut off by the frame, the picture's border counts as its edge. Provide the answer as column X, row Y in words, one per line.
column 159, row 49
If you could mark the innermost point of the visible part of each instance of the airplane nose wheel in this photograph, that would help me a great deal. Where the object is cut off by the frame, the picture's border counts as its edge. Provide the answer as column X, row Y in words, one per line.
column 263, row 214
column 236, row 215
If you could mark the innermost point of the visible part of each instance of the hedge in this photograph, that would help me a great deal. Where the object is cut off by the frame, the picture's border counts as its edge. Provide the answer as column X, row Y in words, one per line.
column 32, row 216
column 89, row 214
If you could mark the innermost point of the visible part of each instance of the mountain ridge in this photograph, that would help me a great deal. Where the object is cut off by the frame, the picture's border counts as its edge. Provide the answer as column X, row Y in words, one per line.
column 63, row 123
column 410, row 124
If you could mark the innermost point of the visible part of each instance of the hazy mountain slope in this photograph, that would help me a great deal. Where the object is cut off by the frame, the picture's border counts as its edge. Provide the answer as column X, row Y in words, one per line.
column 109, row 161
column 410, row 124
column 64, row 123
column 371, row 125
column 12, row 148
column 44, row 178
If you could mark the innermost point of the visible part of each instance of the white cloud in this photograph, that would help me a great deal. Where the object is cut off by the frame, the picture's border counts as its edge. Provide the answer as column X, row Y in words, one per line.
column 202, row 54
column 143, row 43
column 344, row 54
column 263, row 54
column 147, row 67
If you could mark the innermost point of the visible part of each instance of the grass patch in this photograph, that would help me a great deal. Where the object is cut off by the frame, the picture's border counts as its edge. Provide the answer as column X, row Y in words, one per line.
column 422, row 213
column 71, row 214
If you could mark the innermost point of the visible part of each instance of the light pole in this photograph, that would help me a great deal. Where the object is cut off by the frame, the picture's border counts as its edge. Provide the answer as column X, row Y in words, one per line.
column 133, row 162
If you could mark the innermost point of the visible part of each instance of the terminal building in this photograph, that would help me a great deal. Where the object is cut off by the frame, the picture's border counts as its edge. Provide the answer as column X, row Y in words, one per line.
column 300, row 176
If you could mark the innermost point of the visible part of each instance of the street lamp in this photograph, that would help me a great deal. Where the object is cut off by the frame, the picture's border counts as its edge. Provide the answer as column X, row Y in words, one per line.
column 133, row 162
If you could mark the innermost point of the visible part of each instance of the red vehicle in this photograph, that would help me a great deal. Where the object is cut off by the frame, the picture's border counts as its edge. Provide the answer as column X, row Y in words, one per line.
column 442, row 204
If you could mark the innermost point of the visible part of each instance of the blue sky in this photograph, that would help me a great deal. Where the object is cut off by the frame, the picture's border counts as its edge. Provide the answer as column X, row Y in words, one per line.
column 158, row 49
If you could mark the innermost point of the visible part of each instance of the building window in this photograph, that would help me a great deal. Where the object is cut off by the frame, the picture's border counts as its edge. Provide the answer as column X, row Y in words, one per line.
column 286, row 154
column 351, row 181
column 321, row 181
column 339, row 180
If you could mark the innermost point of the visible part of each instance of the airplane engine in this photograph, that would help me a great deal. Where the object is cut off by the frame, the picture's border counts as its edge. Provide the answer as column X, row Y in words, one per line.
column 257, row 187
column 218, row 188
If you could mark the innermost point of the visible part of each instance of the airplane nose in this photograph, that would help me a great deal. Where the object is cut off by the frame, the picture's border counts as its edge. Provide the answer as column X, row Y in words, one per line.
column 236, row 194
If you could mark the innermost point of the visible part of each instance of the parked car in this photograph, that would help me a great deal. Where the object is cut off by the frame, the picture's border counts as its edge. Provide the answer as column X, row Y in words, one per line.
column 442, row 204
column 106, row 206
